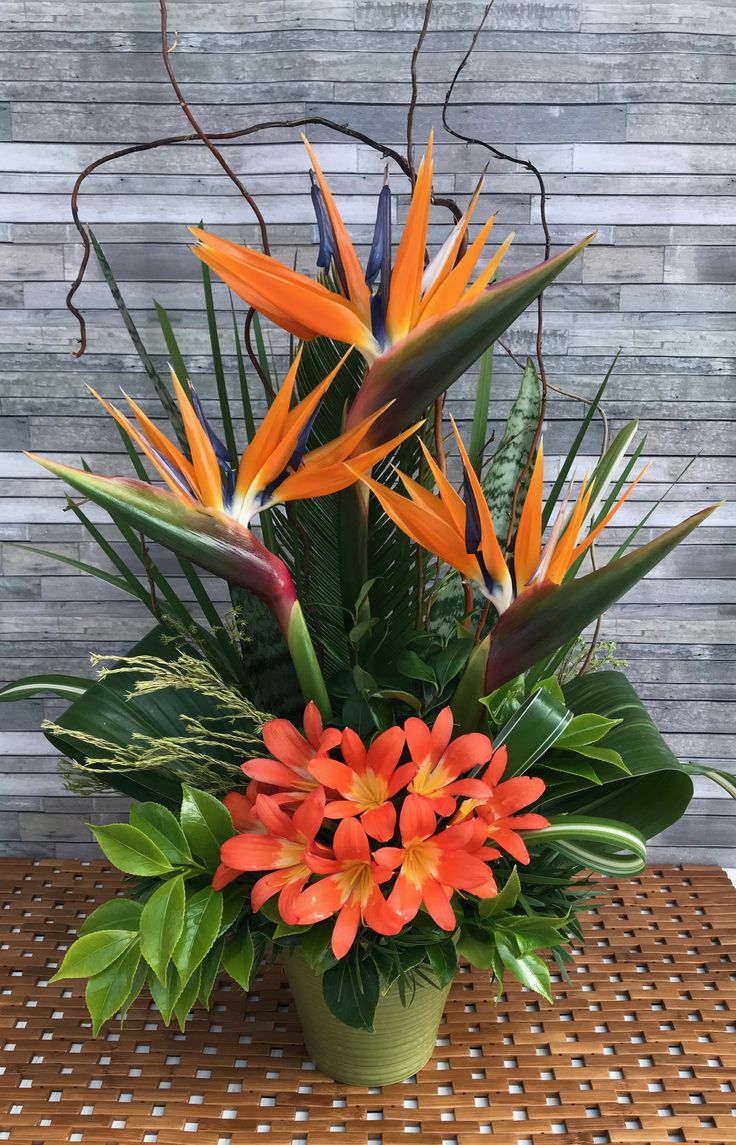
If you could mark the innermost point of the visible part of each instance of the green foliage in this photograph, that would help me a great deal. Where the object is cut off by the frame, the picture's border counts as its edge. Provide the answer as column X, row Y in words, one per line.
column 511, row 457
column 206, row 823
column 130, row 850
column 161, row 924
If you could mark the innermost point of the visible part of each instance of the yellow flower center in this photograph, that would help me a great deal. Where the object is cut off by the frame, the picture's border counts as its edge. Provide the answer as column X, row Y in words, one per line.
column 369, row 790
column 420, row 861
column 356, row 881
column 429, row 779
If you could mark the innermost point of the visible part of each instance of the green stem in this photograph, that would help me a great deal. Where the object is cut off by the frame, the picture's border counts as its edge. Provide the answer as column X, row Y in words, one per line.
column 305, row 661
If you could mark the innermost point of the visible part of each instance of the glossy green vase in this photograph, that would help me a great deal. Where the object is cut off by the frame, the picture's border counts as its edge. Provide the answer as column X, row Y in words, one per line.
column 401, row 1042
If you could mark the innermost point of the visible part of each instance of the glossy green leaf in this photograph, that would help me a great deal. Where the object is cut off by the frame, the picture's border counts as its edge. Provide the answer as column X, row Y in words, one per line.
column 545, row 617
column 117, row 914
column 130, row 850
column 163, row 828
column 135, row 985
column 202, row 918
column 504, row 900
column 531, row 731
column 411, row 666
column 206, row 823
column 442, row 957
column 93, row 953
column 187, row 998
column 529, row 969
column 239, row 957
column 585, row 729
column 210, row 970
column 466, row 701
column 477, row 946
column 420, row 368
column 351, row 990
column 162, row 922
column 165, row 994
column 659, row 788
column 107, row 992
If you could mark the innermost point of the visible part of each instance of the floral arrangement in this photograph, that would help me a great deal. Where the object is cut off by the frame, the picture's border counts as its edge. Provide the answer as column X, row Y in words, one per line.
column 461, row 768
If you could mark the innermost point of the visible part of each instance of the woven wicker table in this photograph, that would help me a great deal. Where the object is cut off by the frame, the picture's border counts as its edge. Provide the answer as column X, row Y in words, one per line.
column 639, row 1048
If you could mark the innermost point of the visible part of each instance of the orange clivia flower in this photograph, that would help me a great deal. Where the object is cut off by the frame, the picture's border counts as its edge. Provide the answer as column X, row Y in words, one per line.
column 439, row 763
column 432, row 865
column 498, row 810
column 350, row 890
column 366, row 781
column 282, row 851
column 289, row 771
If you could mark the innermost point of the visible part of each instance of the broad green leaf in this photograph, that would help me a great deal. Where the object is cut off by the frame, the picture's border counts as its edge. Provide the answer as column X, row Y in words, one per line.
column 107, row 992
column 531, row 731
column 117, row 914
column 552, row 685
column 93, row 953
column 504, row 701
column 163, row 828
column 466, row 701
column 238, row 958
column 206, row 823
column 350, row 989
column 65, row 687
column 135, row 986
column 529, row 969
column 130, row 850
column 512, row 454
column 201, row 928
column 315, row 945
column 504, row 900
column 539, row 938
column 411, row 666
column 450, row 660
column 658, row 790
column 442, row 957
column 545, row 617
column 477, row 946
column 423, row 365
column 162, row 922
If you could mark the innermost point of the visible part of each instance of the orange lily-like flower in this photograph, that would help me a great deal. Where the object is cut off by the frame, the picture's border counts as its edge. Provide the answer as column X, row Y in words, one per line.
column 433, row 865
column 290, row 770
column 242, row 809
column 440, row 763
column 498, row 809
column 459, row 529
column 282, row 852
column 419, row 328
column 350, row 890
column 366, row 781
column 275, row 467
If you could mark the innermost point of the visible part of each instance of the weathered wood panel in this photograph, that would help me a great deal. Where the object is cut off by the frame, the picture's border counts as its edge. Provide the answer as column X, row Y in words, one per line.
column 629, row 110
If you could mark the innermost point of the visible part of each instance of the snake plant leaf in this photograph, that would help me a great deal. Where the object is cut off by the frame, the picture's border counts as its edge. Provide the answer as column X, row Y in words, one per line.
column 512, row 454
column 434, row 355
column 209, row 539
column 546, row 617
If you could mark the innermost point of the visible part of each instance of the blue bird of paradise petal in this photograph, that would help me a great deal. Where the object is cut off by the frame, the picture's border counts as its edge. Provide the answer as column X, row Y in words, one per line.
column 328, row 252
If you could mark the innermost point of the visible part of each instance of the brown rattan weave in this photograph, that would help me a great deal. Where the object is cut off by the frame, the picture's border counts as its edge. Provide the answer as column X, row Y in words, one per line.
column 639, row 1048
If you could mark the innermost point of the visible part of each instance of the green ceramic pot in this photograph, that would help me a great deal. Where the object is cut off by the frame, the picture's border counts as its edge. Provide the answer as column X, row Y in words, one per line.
column 401, row 1042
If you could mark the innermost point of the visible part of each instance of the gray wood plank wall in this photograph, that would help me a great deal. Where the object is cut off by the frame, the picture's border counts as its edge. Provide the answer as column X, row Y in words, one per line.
column 629, row 110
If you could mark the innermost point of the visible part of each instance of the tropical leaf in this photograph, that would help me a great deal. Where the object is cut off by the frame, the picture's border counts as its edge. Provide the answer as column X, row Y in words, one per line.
column 658, row 789
column 479, row 428
column 65, row 687
column 546, row 617
column 594, row 842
